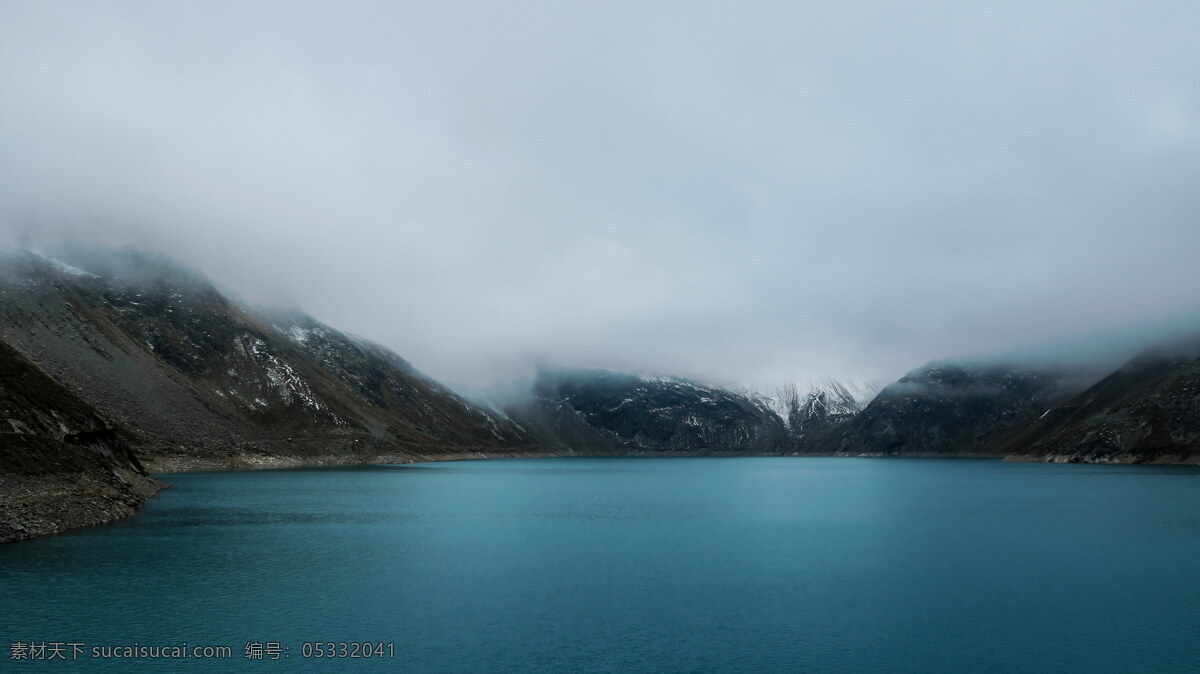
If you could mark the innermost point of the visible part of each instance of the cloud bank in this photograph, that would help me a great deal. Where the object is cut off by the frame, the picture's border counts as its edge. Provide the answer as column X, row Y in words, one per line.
column 746, row 193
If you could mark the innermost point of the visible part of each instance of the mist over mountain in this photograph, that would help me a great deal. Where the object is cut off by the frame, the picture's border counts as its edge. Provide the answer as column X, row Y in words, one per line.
column 639, row 413
column 115, row 361
column 1148, row 410
column 601, row 335
column 949, row 408
column 748, row 195
column 186, row 371
column 190, row 374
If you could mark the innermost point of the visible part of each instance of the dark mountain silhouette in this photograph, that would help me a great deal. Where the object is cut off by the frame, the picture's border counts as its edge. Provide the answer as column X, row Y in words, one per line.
column 595, row 411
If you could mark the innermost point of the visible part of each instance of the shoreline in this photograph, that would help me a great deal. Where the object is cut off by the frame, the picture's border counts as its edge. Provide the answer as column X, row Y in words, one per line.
column 45, row 505
column 33, row 506
column 166, row 466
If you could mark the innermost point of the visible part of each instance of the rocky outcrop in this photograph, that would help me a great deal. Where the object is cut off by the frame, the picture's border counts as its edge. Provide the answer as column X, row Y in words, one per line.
column 61, row 464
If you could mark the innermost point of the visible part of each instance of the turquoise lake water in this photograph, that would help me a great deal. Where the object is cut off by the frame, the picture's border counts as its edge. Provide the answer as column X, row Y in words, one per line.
column 721, row 565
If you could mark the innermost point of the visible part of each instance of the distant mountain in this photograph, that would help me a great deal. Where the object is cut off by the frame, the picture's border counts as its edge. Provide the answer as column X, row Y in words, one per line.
column 1146, row 411
column 947, row 409
column 191, row 375
column 822, row 405
column 112, row 361
column 595, row 411
column 115, row 360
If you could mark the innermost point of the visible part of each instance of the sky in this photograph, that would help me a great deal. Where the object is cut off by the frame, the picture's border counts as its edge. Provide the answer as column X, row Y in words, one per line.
column 746, row 192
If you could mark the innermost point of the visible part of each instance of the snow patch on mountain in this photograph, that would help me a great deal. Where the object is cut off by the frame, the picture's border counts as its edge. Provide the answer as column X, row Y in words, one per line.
column 280, row 376
column 815, row 402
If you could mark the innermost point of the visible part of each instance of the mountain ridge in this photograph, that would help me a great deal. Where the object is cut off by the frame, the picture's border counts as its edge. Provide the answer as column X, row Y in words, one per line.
column 120, row 362
column 187, row 371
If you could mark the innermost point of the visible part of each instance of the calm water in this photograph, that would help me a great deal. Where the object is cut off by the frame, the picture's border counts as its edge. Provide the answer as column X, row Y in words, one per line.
column 641, row 564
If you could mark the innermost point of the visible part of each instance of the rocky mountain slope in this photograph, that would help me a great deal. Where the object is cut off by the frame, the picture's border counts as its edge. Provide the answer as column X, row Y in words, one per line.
column 593, row 411
column 1146, row 411
column 946, row 409
column 61, row 464
column 820, row 406
column 193, row 377
column 110, row 357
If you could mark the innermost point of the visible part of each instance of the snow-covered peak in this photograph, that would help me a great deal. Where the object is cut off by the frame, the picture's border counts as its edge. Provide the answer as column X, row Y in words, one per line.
column 824, row 401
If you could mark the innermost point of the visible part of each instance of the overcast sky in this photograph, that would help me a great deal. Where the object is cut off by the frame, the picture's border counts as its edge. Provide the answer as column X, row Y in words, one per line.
column 744, row 192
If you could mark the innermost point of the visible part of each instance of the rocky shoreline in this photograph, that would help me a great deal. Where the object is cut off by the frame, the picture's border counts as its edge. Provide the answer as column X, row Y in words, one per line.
column 34, row 505
column 40, row 505
column 165, row 466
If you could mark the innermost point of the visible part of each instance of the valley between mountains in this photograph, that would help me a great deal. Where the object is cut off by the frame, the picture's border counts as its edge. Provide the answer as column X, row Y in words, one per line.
column 121, row 365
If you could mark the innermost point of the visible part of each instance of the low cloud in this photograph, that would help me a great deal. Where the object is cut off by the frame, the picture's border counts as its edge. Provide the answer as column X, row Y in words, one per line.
column 747, row 194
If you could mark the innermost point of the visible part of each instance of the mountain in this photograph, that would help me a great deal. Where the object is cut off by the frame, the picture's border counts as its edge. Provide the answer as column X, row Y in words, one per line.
column 1146, row 411
column 947, row 409
column 595, row 411
column 61, row 464
column 822, row 405
column 194, row 378
column 116, row 362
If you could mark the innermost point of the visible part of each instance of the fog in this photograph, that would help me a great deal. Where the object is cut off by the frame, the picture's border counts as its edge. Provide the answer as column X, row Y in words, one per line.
column 740, row 192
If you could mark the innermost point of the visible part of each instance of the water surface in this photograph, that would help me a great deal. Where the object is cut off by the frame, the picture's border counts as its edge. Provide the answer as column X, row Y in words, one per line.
column 754, row 564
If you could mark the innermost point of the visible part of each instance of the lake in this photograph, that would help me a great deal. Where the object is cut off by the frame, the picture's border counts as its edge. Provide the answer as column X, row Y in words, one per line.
column 636, row 564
